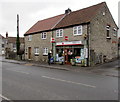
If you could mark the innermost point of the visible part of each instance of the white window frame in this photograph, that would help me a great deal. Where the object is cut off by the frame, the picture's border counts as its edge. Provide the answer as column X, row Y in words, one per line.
column 77, row 30
column 45, row 51
column 114, row 32
column 29, row 37
column 36, row 50
column 59, row 33
column 108, row 32
column 43, row 35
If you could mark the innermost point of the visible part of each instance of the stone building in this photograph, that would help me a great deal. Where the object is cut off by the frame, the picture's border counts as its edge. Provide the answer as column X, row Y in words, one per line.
column 2, row 45
column 87, row 37
column 10, row 46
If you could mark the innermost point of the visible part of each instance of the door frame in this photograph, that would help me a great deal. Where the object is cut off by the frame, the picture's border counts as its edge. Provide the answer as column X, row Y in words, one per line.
column 29, row 53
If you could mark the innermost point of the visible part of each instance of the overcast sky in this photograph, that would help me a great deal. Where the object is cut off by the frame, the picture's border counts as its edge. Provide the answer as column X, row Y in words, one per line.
column 31, row 11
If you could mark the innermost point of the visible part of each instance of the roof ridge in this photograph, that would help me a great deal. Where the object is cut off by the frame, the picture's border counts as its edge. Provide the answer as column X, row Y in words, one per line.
column 59, row 21
column 90, row 6
column 62, row 19
column 50, row 17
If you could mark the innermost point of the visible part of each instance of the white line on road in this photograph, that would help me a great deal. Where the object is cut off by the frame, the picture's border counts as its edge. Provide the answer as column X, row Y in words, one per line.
column 18, row 71
column 5, row 98
column 69, row 81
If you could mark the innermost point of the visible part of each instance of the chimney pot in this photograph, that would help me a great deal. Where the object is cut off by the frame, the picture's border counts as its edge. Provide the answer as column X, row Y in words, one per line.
column 68, row 11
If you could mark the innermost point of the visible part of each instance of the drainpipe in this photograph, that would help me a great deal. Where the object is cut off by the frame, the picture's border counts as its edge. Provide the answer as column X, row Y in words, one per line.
column 88, row 43
column 53, row 48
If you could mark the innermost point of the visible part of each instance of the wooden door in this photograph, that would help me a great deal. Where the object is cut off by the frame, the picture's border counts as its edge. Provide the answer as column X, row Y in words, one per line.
column 29, row 52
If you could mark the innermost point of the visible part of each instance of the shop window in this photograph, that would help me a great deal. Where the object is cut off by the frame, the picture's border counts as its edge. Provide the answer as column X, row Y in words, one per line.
column 77, row 51
column 77, row 30
column 44, row 35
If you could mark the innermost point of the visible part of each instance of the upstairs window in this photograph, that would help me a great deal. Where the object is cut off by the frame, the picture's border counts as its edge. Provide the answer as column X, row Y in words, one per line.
column 77, row 30
column 3, row 45
column 44, row 35
column 108, row 31
column 29, row 37
column 114, row 32
column 59, row 33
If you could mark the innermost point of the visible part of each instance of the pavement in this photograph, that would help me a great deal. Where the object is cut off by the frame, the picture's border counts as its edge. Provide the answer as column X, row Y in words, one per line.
column 107, row 69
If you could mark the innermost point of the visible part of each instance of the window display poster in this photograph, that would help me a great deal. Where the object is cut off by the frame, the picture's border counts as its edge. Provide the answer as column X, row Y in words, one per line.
column 86, row 52
column 61, row 59
column 82, row 54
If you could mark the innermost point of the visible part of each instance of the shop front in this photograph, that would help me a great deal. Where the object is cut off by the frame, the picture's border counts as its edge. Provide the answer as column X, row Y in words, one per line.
column 69, row 52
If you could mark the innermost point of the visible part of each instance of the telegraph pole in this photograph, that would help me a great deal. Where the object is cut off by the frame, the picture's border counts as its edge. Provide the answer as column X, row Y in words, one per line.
column 17, row 39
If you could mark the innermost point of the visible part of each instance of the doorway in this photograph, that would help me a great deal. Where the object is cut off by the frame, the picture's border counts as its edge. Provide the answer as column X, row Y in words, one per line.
column 68, row 55
column 29, row 53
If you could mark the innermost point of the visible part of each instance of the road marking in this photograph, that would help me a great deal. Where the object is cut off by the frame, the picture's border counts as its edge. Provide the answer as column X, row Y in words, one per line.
column 69, row 81
column 5, row 98
column 18, row 71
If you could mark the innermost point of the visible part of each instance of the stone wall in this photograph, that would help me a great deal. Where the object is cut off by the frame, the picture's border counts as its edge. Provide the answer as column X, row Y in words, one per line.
column 40, row 43
column 99, row 44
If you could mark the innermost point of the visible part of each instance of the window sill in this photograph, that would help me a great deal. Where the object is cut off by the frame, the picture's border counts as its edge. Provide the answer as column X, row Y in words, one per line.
column 45, row 54
column 43, row 38
column 36, row 54
column 108, row 37
column 59, row 37
column 77, row 34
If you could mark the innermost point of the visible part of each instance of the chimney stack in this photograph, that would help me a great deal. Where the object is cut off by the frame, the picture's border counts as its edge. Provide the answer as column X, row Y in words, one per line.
column 68, row 11
column 6, row 34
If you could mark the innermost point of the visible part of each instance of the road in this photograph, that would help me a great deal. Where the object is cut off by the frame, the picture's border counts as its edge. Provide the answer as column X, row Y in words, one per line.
column 26, row 82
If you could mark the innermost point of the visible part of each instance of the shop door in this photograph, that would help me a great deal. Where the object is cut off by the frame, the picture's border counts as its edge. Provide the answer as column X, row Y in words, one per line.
column 29, row 52
column 68, row 56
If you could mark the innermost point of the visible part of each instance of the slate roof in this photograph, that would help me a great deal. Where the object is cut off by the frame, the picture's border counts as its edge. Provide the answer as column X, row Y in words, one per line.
column 64, row 20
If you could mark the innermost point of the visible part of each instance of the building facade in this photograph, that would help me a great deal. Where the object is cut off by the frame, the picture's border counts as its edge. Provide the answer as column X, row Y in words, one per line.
column 2, row 45
column 87, row 37
column 10, row 46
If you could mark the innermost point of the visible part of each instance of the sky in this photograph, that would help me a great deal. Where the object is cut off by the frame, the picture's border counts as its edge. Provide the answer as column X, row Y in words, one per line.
column 31, row 11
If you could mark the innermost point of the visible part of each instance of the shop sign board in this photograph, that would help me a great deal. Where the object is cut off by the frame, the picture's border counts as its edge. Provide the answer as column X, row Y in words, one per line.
column 66, row 37
column 69, row 43
column 52, row 40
